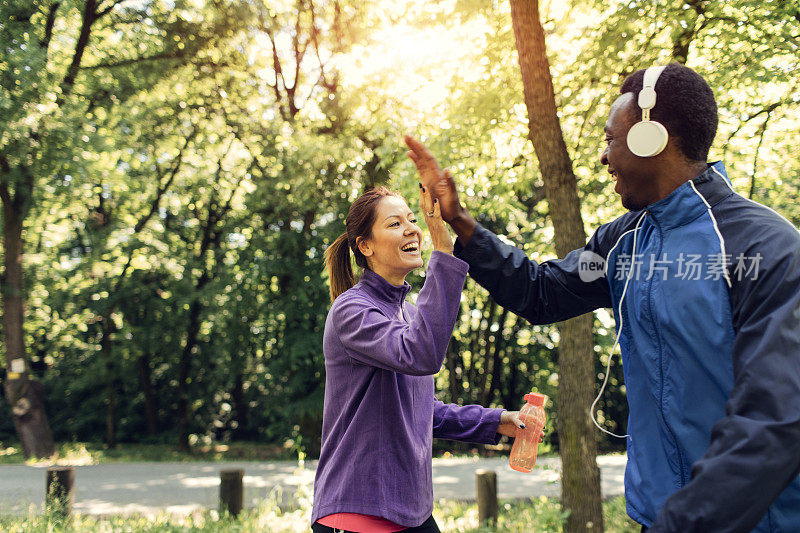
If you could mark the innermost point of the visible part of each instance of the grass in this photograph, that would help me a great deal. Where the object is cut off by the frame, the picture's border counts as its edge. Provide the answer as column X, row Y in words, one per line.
column 542, row 514
column 87, row 453
column 538, row 515
column 92, row 453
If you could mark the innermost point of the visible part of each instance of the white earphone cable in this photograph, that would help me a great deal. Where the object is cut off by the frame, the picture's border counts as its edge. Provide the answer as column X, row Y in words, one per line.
column 619, row 331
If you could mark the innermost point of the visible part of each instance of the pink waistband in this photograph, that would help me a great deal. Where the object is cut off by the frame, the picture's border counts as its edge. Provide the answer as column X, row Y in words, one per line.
column 360, row 523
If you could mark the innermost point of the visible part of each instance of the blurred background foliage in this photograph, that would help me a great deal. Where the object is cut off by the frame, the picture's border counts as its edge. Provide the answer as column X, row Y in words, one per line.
column 205, row 153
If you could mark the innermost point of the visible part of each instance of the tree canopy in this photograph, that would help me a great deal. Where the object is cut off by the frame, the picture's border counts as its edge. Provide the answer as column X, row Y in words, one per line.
column 179, row 167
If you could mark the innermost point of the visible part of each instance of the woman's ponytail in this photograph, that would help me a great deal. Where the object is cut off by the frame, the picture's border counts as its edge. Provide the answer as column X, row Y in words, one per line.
column 339, row 267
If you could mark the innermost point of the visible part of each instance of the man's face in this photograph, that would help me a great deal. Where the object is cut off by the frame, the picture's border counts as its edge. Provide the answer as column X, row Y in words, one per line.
column 635, row 183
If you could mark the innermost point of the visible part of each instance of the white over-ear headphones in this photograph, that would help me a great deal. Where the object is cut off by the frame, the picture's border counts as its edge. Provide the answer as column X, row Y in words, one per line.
column 648, row 138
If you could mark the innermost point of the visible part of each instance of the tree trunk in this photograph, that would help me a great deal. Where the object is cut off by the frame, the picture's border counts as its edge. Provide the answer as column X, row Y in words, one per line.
column 454, row 381
column 24, row 394
column 240, row 408
column 496, row 358
column 110, row 376
column 686, row 28
column 481, row 380
column 578, row 444
column 510, row 397
column 185, row 369
column 580, row 478
column 150, row 401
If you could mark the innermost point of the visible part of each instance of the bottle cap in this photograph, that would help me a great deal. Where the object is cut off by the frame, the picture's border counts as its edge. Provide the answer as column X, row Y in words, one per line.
column 535, row 399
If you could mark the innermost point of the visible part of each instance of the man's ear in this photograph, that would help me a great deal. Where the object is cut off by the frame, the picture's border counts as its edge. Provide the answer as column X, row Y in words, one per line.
column 364, row 246
column 674, row 148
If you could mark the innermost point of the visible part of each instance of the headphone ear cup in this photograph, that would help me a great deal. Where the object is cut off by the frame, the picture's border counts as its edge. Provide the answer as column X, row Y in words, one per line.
column 647, row 138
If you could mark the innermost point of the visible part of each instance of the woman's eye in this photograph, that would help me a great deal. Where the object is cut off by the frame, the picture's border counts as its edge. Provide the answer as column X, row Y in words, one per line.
column 393, row 224
column 413, row 220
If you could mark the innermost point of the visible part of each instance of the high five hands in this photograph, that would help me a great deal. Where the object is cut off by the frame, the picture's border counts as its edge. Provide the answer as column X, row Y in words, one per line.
column 442, row 187
column 438, row 201
column 433, row 178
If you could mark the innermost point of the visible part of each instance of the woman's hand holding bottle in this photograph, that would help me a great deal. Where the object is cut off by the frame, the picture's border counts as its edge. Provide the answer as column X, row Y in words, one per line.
column 510, row 422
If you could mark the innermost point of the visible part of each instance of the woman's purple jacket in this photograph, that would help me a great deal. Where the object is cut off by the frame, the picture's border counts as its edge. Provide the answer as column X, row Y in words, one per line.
column 380, row 413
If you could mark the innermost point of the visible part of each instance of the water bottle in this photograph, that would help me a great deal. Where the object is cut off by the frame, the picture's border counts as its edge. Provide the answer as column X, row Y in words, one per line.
column 526, row 442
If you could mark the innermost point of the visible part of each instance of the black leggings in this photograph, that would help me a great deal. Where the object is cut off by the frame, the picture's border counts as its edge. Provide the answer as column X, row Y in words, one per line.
column 428, row 526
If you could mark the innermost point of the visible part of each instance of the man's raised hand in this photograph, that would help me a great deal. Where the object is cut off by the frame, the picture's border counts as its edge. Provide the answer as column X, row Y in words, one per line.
column 439, row 182
column 442, row 187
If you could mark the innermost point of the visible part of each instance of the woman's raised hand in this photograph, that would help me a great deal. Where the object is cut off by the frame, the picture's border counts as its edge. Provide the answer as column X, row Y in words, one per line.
column 431, row 209
column 438, row 181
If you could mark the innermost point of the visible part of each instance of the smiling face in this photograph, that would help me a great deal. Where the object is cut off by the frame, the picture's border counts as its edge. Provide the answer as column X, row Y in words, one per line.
column 393, row 249
column 635, row 180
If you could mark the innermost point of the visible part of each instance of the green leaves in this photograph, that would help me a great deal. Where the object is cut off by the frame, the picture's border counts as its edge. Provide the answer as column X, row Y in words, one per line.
column 193, row 164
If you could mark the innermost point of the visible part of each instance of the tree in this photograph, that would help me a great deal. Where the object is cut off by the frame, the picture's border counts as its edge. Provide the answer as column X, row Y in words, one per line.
column 47, row 97
column 578, row 446
column 30, row 100
column 112, row 238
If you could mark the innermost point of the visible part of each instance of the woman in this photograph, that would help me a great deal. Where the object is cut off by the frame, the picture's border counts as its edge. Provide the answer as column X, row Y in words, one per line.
column 380, row 414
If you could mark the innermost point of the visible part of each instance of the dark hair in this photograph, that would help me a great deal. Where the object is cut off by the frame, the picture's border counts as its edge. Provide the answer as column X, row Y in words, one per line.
column 358, row 225
column 685, row 105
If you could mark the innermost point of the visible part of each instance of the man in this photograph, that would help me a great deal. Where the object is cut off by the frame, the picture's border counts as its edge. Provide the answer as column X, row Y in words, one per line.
column 709, row 324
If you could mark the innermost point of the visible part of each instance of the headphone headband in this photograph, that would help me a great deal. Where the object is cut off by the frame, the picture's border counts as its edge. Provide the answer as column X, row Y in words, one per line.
column 648, row 138
column 647, row 96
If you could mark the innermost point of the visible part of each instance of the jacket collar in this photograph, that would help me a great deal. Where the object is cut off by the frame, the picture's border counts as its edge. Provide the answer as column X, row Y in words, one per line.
column 382, row 289
column 693, row 198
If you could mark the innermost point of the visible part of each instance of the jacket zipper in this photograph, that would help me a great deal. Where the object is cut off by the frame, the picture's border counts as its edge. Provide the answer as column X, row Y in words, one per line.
column 661, row 355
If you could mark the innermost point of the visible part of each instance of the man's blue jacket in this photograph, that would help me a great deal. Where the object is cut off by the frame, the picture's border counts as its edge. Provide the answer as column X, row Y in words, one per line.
column 710, row 340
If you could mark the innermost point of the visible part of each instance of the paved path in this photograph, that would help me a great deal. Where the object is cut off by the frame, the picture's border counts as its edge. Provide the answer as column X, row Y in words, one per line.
column 181, row 488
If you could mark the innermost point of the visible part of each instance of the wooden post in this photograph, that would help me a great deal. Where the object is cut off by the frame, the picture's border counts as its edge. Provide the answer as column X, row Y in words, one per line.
column 486, row 492
column 58, row 490
column 231, row 491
